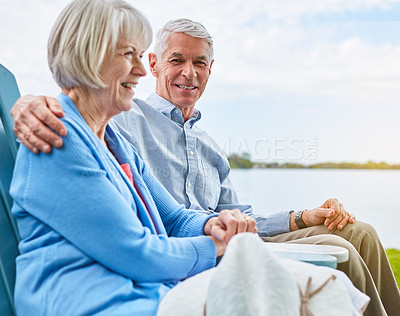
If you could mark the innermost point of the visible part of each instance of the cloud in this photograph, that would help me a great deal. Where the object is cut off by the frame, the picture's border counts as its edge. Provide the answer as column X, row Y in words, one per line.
column 285, row 53
column 258, row 43
column 295, row 61
column 264, row 64
column 296, row 47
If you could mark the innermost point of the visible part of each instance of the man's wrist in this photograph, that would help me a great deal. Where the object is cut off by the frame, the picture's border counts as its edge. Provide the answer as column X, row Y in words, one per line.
column 292, row 224
column 296, row 220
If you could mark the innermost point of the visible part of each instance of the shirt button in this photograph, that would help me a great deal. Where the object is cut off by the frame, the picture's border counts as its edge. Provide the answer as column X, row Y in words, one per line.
column 191, row 153
column 189, row 184
column 176, row 111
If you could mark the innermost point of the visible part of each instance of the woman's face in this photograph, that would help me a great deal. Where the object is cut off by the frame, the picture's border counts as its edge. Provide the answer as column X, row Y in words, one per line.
column 120, row 71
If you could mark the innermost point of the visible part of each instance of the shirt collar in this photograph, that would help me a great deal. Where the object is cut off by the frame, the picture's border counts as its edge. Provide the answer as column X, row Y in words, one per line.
column 171, row 111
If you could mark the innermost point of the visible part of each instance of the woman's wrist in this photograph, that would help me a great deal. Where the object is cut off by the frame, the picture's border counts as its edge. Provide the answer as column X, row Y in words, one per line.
column 208, row 225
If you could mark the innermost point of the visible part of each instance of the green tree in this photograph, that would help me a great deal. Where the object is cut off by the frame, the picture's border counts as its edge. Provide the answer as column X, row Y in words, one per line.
column 241, row 161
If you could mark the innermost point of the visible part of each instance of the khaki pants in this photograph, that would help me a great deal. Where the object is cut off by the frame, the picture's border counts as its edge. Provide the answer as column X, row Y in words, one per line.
column 368, row 266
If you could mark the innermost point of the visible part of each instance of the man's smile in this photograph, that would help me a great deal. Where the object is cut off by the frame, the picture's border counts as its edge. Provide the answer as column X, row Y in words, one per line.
column 186, row 87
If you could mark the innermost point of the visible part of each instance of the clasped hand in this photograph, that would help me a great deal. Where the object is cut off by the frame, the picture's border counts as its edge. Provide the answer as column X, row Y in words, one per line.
column 228, row 223
column 331, row 214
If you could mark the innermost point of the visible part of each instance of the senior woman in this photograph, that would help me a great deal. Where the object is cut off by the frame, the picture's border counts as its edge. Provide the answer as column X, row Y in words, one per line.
column 99, row 235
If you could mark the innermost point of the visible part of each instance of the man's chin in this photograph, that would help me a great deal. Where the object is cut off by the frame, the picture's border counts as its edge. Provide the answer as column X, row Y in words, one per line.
column 184, row 103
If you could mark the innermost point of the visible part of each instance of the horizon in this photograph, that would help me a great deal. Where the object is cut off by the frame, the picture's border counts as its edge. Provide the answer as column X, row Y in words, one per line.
column 284, row 162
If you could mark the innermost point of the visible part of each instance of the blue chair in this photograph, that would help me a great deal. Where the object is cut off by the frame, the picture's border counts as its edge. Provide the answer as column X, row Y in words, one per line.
column 9, row 93
column 9, row 236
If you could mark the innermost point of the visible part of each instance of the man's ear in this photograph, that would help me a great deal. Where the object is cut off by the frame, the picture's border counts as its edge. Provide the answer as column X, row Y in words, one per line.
column 209, row 70
column 153, row 64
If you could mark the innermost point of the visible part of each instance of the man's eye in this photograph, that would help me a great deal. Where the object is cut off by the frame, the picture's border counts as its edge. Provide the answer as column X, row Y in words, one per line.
column 175, row 60
column 201, row 63
column 130, row 53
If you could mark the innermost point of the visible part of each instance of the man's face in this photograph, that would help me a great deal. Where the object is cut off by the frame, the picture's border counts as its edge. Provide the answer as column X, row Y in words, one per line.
column 183, row 71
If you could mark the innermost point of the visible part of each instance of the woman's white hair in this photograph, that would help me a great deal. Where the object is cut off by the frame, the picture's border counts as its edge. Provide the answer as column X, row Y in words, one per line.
column 186, row 26
column 82, row 34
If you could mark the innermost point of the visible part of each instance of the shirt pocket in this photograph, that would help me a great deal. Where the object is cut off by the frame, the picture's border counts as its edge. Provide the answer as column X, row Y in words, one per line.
column 212, row 186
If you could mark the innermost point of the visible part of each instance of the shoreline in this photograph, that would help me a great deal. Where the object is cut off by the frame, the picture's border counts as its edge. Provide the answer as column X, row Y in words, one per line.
column 244, row 161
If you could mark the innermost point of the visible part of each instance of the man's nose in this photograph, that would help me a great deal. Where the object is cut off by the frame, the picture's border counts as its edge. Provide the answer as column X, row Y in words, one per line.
column 189, row 71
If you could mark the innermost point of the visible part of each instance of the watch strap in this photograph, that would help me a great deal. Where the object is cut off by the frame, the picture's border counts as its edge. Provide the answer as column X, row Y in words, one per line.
column 299, row 220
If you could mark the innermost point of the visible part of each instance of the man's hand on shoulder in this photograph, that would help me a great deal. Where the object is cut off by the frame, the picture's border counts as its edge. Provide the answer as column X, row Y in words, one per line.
column 36, row 122
column 331, row 214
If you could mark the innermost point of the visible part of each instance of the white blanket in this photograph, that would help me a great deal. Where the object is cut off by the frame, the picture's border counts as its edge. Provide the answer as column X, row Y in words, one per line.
column 251, row 280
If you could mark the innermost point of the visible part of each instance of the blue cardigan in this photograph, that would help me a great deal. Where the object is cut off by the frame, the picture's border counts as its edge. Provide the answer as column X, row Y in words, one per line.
column 88, row 244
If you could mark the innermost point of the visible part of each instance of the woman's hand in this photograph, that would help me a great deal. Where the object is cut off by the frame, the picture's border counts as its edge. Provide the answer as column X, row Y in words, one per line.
column 229, row 223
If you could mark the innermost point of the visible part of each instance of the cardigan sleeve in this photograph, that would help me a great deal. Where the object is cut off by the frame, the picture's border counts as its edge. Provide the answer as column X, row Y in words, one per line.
column 69, row 191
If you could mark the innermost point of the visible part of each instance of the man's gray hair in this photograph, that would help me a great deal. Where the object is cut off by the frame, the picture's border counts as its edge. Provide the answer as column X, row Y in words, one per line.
column 186, row 26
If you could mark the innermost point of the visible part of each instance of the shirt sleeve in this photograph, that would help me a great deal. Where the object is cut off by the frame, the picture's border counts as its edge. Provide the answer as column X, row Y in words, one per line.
column 178, row 221
column 267, row 226
column 70, row 192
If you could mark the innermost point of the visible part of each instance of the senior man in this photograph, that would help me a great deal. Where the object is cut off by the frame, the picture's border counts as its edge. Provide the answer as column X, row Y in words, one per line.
column 192, row 167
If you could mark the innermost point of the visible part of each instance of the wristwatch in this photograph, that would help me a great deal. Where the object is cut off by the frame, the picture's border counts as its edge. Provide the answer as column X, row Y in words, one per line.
column 299, row 220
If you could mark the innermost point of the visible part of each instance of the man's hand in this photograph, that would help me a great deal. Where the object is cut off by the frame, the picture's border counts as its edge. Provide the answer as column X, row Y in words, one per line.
column 34, row 117
column 229, row 223
column 331, row 214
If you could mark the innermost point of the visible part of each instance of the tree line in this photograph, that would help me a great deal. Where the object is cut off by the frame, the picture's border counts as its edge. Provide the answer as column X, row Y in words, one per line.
column 243, row 161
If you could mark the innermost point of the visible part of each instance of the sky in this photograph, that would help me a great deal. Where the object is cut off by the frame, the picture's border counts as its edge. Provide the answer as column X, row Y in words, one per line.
column 293, row 80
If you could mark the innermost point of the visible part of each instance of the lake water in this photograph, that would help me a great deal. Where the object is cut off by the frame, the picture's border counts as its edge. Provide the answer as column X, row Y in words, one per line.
column 372, row 195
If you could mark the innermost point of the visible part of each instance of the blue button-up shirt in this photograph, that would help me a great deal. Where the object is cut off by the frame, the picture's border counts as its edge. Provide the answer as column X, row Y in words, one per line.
column 186, row 160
